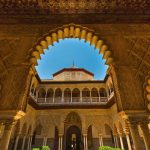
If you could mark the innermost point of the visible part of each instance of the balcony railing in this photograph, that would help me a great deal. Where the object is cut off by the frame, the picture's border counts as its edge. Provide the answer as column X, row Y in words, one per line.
column 72, row 100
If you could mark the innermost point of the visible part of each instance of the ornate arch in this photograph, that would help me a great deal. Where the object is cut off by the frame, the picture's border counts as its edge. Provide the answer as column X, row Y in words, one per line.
column 73, row 119
column 70, row 31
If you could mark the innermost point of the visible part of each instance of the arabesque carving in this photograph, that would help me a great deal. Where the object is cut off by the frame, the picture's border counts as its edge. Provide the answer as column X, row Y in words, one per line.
column 73, row 6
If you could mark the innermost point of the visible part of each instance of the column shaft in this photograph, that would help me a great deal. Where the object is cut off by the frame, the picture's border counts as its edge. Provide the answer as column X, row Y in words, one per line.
column 30, row 143
column 86, row 143
column 46, row 97
column 128, row 142
column 28, row 146
column 23, row 143
column 6, row 136
column 84, row 140
column 61, row 143
column 16, row 142
column 102, row 140
column 115, row 142
column 54, row 97
column 121, row 142
column 44, row 141
column 90, row 96
column 135, row 136
column 80, row 96
column 146, row 135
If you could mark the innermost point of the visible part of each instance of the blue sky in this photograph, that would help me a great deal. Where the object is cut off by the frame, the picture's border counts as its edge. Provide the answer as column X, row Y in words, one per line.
column 61, row 55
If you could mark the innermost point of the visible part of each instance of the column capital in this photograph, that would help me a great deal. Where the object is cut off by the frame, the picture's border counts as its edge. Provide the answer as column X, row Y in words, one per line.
column 100, row 134
column 60, row 134
column 13, row 115
column 84, row 134
column 127, row 132
column 135, row 117
column 9, row 124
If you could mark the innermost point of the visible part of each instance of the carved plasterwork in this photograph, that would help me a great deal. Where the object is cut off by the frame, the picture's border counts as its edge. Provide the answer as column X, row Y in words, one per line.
column 72, row 119
column 128, row 89
column 139, row 54
column 8, row 53
column 73, row 6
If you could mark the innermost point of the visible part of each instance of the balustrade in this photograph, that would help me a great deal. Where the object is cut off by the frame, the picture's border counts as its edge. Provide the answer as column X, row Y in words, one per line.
column 72, row 100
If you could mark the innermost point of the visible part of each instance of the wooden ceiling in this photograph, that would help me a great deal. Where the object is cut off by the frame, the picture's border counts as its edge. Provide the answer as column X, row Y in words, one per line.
column 77, row 11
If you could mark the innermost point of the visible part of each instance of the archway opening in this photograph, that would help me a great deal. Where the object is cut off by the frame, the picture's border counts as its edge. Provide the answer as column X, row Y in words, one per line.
column 50, row 95
column 58, row 95
column 86, row 95
column 75, row 95
column 67, row 95
column 73, row 52
column 73, row 136
column 72, row 130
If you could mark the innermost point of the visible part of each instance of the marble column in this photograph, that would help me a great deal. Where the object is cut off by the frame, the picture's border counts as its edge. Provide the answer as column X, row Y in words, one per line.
column 115, row 140
column 100, row 140
column 23, row 142
column 16, row 142
column 54, row 97
column 135, row 135
column 117, row 144
column 85, row 142
column 6, row 135
column 128, row 141
column 146, row 134
column 28, row 144
column 80, row 96
column 61, row 142
column 90, row 96
column 46, row 97
column 60, row 145
column 121, row 142
column 45, row 140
